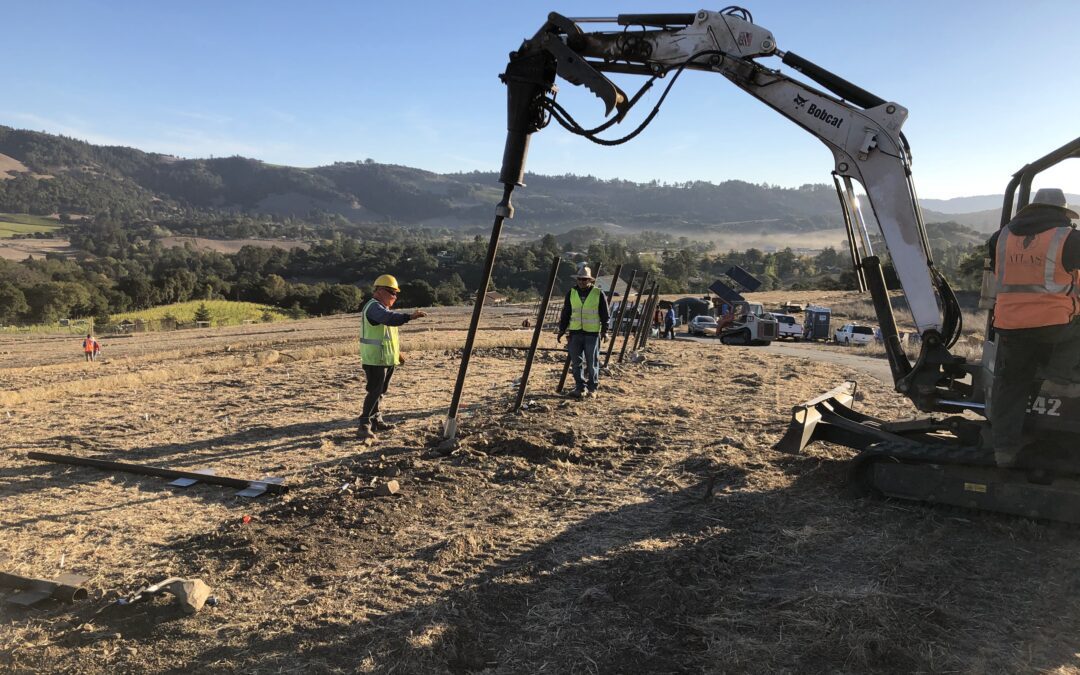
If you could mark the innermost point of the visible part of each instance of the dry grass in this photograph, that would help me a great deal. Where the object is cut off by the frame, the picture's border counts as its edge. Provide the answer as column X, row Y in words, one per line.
column 185, row 369
column 640, row 531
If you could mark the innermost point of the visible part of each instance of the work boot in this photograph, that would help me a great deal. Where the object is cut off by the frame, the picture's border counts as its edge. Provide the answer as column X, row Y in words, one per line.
column 364, row 433
column 379, row 425
column 577, row 393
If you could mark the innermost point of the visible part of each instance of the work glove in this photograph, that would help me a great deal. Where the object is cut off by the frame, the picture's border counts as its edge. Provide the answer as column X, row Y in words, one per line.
column 558, row 338
column 401, row 359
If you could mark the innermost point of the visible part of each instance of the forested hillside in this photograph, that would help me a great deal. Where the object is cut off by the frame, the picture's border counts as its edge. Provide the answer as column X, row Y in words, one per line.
column 360, row 219
column 67, row 176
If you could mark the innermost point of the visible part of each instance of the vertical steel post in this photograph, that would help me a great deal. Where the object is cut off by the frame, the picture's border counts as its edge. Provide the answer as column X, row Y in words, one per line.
column 647, row 317
column 656, row 306
column 618, row 321
column 536, row 333
column 633, row 315
column 502, row 211
column 610, row 295
column 566, row 364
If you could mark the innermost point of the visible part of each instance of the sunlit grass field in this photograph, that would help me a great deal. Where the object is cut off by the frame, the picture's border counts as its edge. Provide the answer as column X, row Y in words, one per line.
column 222, row 312
column 12, row 224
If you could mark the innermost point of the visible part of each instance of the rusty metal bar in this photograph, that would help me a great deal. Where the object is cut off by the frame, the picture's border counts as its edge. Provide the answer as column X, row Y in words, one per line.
column 618, row 321
column 536, row 333
column 240, row 483
column 633, row 315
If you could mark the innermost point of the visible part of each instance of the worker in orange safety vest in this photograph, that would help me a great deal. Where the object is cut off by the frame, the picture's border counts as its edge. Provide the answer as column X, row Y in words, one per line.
column 91, row 347
column 1036, row 264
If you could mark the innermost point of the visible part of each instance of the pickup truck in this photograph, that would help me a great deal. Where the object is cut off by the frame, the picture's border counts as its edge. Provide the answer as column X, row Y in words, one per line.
column 788, row 327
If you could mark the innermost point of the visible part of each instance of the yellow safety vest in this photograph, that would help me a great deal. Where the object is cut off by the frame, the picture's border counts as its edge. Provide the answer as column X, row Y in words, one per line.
column 378, row 343
column 585, row 316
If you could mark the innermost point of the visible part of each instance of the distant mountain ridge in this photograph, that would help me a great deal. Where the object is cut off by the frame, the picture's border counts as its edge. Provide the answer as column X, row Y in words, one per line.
column 965, row 205
column 54, row 174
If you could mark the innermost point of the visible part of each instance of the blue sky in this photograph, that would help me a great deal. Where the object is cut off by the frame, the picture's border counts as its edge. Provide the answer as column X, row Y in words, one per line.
column 989, row 86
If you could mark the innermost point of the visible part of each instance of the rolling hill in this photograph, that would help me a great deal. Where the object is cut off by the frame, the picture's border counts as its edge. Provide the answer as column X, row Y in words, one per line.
column 55, row 174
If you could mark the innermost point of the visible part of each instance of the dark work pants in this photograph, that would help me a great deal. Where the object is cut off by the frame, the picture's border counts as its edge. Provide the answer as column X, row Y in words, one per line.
column 378, row 381
column 669, row 331
column 584, row 352
column 1050, row 351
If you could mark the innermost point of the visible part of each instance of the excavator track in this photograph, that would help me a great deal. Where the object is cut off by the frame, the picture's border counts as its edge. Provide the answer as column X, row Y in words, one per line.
column 966, row 477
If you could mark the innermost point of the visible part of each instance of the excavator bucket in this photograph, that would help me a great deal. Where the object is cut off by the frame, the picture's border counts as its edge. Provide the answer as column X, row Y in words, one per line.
column 830, row 418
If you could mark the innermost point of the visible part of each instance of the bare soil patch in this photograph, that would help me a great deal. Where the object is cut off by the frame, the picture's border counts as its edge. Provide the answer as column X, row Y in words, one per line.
column 651, row 529
column 21, row 249
column 9, row 166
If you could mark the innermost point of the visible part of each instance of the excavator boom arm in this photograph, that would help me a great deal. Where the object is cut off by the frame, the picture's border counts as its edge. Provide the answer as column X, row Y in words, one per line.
column 862, row 131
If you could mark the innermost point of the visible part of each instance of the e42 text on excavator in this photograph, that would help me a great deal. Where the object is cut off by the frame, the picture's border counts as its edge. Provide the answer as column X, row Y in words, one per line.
column 944, row 457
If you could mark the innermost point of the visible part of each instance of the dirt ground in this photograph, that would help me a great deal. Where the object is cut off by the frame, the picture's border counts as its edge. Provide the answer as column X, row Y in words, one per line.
column 650, row 529
column 229, row 246
column 21, row 249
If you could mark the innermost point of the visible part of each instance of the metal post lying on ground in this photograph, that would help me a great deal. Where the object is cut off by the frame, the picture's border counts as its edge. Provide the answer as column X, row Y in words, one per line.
column 566, row 364
column 618, row 320
column 536, row 333
column 241, row 483
column 65, row 588
column 633, row 315
column 502, row 211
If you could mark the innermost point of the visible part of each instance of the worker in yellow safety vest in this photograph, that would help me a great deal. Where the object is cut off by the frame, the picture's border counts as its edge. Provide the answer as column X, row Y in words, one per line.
column 1036, row 263
column 585, row 314
column 380, row 351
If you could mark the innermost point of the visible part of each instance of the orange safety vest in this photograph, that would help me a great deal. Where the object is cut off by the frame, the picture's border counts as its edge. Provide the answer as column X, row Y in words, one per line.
column 90, row 346
column 1033, row 287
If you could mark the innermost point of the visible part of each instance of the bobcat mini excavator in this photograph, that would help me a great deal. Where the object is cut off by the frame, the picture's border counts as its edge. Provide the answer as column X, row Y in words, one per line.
column 945, row 457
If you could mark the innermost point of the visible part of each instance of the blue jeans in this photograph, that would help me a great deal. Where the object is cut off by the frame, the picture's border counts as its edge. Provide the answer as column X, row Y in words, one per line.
column 584, row 351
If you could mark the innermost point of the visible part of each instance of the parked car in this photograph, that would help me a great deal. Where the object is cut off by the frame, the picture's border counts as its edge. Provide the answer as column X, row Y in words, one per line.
column 854, row 334
column 788, row 327
column 702, row 324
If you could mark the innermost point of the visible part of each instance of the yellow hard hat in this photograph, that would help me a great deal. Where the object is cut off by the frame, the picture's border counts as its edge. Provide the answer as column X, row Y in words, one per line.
column 388, row 281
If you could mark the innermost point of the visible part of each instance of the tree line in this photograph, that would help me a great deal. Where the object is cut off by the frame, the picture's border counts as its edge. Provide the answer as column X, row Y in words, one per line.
column 123, row 268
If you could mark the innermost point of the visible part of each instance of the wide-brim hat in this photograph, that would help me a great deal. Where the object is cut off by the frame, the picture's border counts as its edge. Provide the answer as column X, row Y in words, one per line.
column 584, row 273
column 1053, row 197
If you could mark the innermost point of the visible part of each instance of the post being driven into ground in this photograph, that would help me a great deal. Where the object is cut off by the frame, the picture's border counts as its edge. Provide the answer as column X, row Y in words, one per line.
column 503, row 210
column 536, row 333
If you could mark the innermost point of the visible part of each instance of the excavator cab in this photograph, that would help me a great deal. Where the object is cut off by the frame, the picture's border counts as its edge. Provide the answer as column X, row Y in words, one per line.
column 1053, row 420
